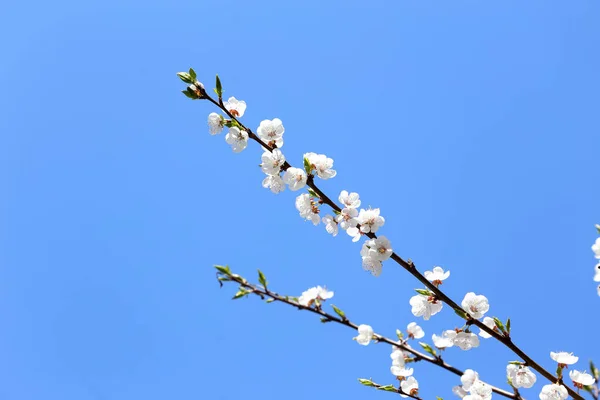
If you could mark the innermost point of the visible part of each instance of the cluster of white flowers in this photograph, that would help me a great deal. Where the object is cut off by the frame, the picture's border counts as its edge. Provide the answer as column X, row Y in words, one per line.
column 520, row 376
column 314, row 295
column 472, row 388
column 463, row 340
column 308, row 208
column 398, row 367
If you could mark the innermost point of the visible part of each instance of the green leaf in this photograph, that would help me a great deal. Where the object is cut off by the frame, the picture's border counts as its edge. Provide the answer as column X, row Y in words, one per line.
column 399, row 334
column 595, row 372
column 241, row 293
column 598, row 228
column 559, row 371
column 313, row 193
column 499, row 324
column 428, row 348
column 516, row 362
column 219, row 89
column 192, row 74
column 366, row 382
column 223, row 269
column 188, row 95
column 325, row 320
column 307, row 166
column 191, row 93
column 460, row 313
column 424, row 292
column 388, row 388
column 270, row 300
column 184, row 76
column 339, row 312
column 261, row 279
column 508, row 325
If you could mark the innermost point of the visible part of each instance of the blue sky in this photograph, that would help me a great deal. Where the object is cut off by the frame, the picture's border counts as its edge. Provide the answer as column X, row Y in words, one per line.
column 472, row 125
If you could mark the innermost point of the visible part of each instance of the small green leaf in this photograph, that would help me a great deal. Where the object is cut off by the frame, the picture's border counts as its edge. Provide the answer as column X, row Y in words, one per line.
column 307, row 166
column 261, row 279
column 219, row 89
column 428, row 348
column 313, row 193
column 439, row 398
column 516, row 362
column 388, row 388
column 184, row 76
column 399, row 334
column 223, row 269
column 595, row 372
column 424, row 292
column 460, row 313
column 559, row 371
column 366, row 382
column 325, row 320
column 598, row 228
column 191, row 93
column 192, row 74
column 339, row 312
column 241, row 293
column 499, row 324
column 270, row 300
column 508, row 325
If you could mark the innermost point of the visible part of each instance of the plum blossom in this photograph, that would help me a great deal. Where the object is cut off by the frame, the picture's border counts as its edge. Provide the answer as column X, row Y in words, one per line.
column 307, row 208
column 272, row 162
column 331, row 225
column 466, row 340
column 520, row 376
column 369, row 220
column 401, row 370
column 596, row 248
column 271, row 131
column 581, row 379
column 379, row 249
column 459, row 391
column 321, row 164
column 349, row 200
column 554, row 392
column 489, row 322
column 347, row 218
column 409, row 386
column 237, row 139
column 482, row 389
column 372, row 265
column 355, row 233
column 274, row 182
column 563, row 358
column 475, row 305
column 414, row 331
column 235, row 107
column 425, row 306
column 365, row 334
column 468, row 378
column 215, row 123
column 444, row 341
column 295, row 178
column 437, row 275
column 314, row 294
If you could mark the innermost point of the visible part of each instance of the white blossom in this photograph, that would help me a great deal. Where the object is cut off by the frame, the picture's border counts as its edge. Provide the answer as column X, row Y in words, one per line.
column 307, row 208
column 397, row 356
column 596, row 248
column 414, row 331
column 378, row 249
column 489, row 322
column 215, row 123
column 331, row 225
column 401, row 370
column 481, row 389
column 563, row 358
column 237, row 139
column 321, row 164
column 409, row 386
column 372, row 265
column 445, row 340
column 424, row 306
column 272, row 162
column 468, row 378
column 459, row 391
column 347, row 218
column 475, row 305
column 235, row 107
column 295, row 178
column 437, row 275
column 349, row 200
column 520, row 376
column 554, row 392
column 370, row 220
column 597, row 276
column 274, row 182
column 313, row 294
column 466, row 340
column 354, row 232
column 581, row 379
column 271, row 131
column 365, row 334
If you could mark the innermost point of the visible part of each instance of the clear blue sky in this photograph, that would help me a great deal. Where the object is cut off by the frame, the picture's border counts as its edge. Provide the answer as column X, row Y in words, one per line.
column 472, row 125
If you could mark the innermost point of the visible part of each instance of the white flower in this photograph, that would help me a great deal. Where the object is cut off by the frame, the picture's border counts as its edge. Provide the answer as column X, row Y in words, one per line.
column 321, row 164
column 215, row 123
column 437, row 275
column 424, row 306
column 295, row 178
column 274, row 182
column 378, row 249
column 347, row 218
column 459, row 391
column 315, row 293
column 563, row 358
column 238, row 140
column 596, row 248
column 444, row 341
column 272, row 162
column 475, row 305
column 597, row 276
column 355, row 233
column 397, row 357
column 331, row 225
column 409, row 386
column 308, row 210
column 520, row 376
column 581, row 379
column 554, row 392
column 365, row 334
column 468, row 378
column 271, row 131
column 401, row 370
column 351, row 200
column 414, row 331
column 481, row 389
column 372, row 265
column 369, row 220
column 235, row 107
column 489, row 322
column 466, row 340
